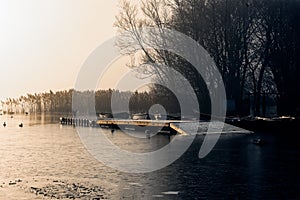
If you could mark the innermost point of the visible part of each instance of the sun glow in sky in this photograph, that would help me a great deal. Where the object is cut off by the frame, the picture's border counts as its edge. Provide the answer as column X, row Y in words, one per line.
column 44, row 43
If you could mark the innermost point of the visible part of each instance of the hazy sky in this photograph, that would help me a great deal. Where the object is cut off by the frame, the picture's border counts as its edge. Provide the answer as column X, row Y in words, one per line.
column 43, row 43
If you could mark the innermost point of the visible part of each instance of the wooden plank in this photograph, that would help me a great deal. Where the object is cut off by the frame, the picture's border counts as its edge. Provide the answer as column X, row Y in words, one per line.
column 135, row 122
column 177, row 129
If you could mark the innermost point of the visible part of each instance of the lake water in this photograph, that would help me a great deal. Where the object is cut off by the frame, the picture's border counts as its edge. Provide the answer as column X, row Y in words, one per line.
column 46, row 156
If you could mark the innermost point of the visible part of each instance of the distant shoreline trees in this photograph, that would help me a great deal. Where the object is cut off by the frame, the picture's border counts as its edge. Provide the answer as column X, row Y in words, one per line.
column 61, row 101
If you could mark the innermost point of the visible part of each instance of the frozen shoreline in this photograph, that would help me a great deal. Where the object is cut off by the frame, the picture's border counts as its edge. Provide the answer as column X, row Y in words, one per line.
column 44, row 188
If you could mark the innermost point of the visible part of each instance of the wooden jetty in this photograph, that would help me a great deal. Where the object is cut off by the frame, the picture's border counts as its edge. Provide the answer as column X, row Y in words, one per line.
column 77, row 121
column 182, row 127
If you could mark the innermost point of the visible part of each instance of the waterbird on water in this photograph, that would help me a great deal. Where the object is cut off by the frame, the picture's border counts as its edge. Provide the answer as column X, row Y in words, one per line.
column 259, row 141
column 21, row 125
column 4, row 124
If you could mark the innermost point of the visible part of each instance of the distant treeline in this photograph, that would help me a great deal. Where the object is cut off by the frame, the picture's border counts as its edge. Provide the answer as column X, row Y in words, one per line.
column 61, row 101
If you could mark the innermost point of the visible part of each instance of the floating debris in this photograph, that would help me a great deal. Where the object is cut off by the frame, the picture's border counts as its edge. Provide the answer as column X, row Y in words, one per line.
column 135, row 184
column 157, row 196
column 62, row 189
column 12, row 183
column 171, row 193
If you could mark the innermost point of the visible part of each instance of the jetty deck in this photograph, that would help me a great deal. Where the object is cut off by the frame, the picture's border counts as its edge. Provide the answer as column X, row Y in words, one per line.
column 183, row 127
column 154, row 123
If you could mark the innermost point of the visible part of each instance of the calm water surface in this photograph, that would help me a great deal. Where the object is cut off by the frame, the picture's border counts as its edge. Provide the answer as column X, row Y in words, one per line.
column 43, row 152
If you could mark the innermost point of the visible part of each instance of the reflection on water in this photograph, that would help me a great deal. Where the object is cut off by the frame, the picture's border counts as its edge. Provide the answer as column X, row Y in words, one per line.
column 45, row 153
